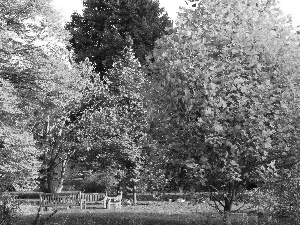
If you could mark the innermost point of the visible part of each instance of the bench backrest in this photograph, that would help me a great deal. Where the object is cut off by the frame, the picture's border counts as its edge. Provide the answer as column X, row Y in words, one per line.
column 93, row 197
column 116, row 198
column 60, row 197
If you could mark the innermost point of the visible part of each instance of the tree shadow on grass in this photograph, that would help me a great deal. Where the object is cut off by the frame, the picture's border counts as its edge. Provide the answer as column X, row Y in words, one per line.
column 151, row 213
column 122, row 218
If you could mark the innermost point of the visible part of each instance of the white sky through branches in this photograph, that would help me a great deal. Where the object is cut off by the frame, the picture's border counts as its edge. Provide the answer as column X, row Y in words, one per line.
column 291, row 7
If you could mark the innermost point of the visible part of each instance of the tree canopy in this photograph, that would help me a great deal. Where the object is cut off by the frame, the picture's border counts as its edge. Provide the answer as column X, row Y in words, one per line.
column 228, row 91
column 38, row 88
column 101, row 33
column 115, row 129
column 20, row 64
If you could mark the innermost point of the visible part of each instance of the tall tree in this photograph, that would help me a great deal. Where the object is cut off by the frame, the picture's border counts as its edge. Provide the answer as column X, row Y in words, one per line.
column 38, row 88
column 21, row 60
column 101, row 32
column 55, row 135
column 116, row 127
column 225, row 90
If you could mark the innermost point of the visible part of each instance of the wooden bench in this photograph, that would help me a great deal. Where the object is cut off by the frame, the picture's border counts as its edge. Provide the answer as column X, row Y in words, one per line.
column 94, row 198
column 114, row 200
column 61, row 199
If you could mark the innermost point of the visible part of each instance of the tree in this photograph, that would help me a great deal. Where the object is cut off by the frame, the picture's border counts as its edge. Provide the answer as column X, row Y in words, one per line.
column 38, row 88
column 55, row 135
column 20, row 62
column 132, row 112
column 116, row 127
column 224, row 88
column 101, row 32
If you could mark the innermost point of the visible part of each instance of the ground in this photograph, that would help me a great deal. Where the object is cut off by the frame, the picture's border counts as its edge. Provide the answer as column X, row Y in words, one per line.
column 150, row 213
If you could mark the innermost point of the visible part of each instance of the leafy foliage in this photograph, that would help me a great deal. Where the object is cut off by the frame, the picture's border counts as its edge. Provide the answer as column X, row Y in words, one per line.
column 115, row 129
column 54, row 133
column 38, row 89
column 103, row 181
column 8, row 209
column 226, row 89
column 20, row 63
column 101, row 32
column 218, row 106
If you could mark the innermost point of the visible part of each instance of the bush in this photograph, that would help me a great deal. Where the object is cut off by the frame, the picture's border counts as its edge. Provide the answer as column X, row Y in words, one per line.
column 9, row 208
column 99, row 182
column 288, row 200
column 278, row 202
column 25, row 195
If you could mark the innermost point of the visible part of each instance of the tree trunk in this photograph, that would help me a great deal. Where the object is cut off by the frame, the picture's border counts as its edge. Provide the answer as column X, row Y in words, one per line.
column 226, row 218
column 228, row 200
column 62, row 176
column 50, row 179
column 134, row 193
column 44, row 174
column 43, row 181
column 227, row 209
column 228, row 204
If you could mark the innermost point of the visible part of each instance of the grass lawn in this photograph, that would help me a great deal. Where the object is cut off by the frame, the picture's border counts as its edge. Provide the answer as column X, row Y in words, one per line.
column 150, row 213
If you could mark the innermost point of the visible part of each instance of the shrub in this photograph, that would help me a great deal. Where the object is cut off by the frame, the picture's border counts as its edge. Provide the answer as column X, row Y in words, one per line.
column 277, row 202
column 288, row 200
column 99, row 182
column 25, row 195
column 8, row 209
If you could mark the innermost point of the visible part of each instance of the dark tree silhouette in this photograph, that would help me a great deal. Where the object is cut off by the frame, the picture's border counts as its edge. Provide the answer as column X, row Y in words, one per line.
column 106, row 27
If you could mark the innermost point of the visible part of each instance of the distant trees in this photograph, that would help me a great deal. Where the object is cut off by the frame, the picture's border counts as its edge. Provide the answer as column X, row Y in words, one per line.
column 102, row 32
